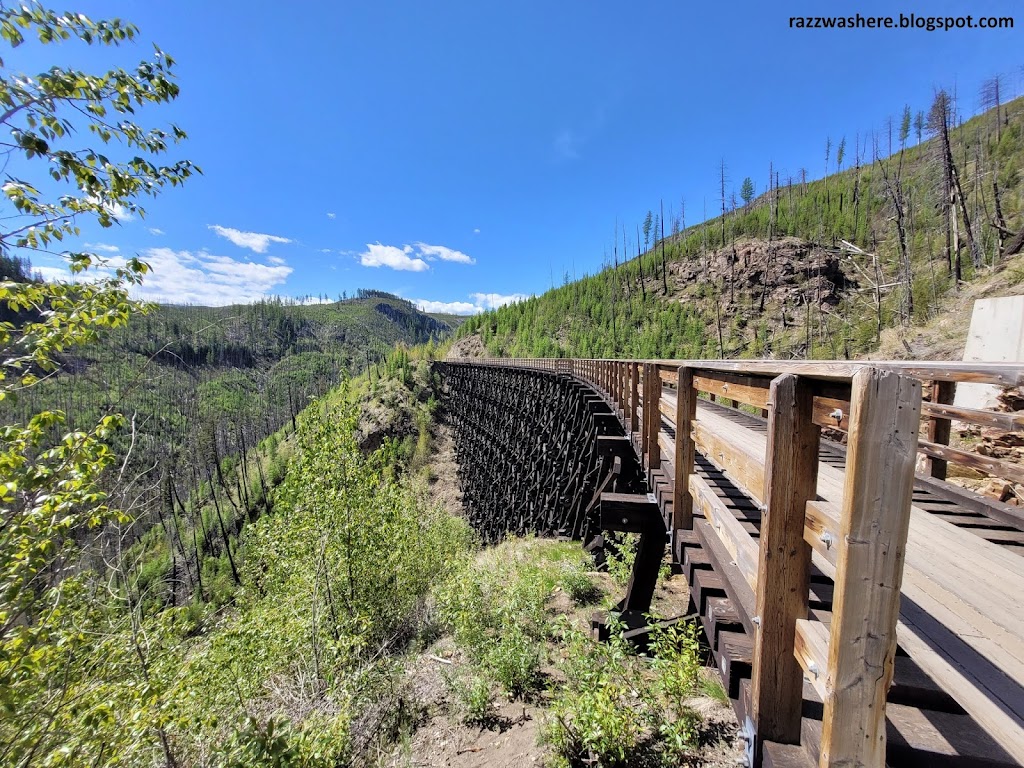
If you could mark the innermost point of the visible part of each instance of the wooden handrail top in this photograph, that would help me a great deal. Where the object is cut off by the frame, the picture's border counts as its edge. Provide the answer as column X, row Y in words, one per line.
column 1002, row 374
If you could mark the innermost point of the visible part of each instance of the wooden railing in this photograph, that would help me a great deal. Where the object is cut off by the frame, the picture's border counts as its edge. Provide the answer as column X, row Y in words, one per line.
column 852, row 524
column 938, row 380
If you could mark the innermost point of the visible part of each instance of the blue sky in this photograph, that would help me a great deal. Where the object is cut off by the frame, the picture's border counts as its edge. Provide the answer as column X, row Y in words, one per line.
column 462, row 153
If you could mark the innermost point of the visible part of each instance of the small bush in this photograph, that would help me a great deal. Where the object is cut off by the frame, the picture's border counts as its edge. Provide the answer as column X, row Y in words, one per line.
column 621, row 559
column 496, row 608
column 474, row 699
column 514, row 658
column 580, row 587
column 598, row 715
column 615, row 710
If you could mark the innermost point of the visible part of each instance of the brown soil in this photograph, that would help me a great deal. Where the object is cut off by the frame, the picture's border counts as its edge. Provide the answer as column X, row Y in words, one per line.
column 443, row 471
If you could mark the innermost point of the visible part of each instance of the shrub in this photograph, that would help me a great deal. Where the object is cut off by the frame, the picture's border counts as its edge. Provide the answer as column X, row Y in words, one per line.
column 474, row 699
column 598, row 716
column 495, row 606
column 579, row 586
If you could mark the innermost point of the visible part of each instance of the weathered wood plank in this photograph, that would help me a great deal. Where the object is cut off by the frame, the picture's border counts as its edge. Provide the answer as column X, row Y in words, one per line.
column 686, row 412
column 869, row 566
column 634, row 396
column 990, row 466
column 743, row 464
column 790, row 477
column 730, row 531
column 811, row 650
column 832, row 412
column 750, row 390
column 1011, row 422
column 652, row 412
column 939, row 429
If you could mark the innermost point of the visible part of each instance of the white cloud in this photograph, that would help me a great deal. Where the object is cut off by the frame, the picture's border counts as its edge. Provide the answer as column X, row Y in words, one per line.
column 275, row 260
column 183, row 277
column 155, row 231
column 54, row 274
column 430, row 252
column 254, row 241
column 495, row 300
column 103, row 247
column 412, row 258
column 377, row 255
column 116, row 210
column 325, row 250
column 481, row 303
column 476, row 231
column 332, row 215
column 447, row 307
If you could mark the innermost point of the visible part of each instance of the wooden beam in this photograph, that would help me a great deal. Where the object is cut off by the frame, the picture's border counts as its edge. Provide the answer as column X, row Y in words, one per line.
column 1007, row 470
column 686, row 412
column 938, row 429
column 1002, row 374
column 751, row 390
column 743, row 466
column 821, row 529
column 1011, row 422
column 872, row 543
column 811, row 650
column 652, row 413
column 831, row 412
column 791, row 474
column 627, row 512
column 730, row 531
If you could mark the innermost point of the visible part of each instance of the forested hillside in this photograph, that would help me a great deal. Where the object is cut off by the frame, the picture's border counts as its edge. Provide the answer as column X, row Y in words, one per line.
column 201, row 388
column 807, row 268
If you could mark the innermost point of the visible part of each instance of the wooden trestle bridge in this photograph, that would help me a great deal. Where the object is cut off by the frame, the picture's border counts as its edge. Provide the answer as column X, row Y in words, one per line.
column 862, row 611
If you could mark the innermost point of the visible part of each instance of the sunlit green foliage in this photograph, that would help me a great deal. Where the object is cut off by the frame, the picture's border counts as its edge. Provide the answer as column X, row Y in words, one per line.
column 75, row 686
column 617, row 709
column 334, row 581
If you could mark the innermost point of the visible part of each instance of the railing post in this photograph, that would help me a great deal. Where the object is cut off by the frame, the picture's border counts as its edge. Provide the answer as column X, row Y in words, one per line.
column 623, row 387
column 634, row 395
column 652, row 415
column 939, row 429
column 616, row 384
column 645, row 382
column 884, row 420
column 686, row 412
column 791, row 472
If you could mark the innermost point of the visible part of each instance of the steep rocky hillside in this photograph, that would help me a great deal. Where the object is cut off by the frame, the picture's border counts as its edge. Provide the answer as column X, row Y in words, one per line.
column 831, row 268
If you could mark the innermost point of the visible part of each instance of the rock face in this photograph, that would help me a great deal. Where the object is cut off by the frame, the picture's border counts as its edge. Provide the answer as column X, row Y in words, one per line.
column 468, row 346
column 790, row 271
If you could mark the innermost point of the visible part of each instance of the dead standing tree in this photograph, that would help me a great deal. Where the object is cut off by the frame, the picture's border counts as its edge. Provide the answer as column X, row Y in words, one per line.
column 939, row 120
